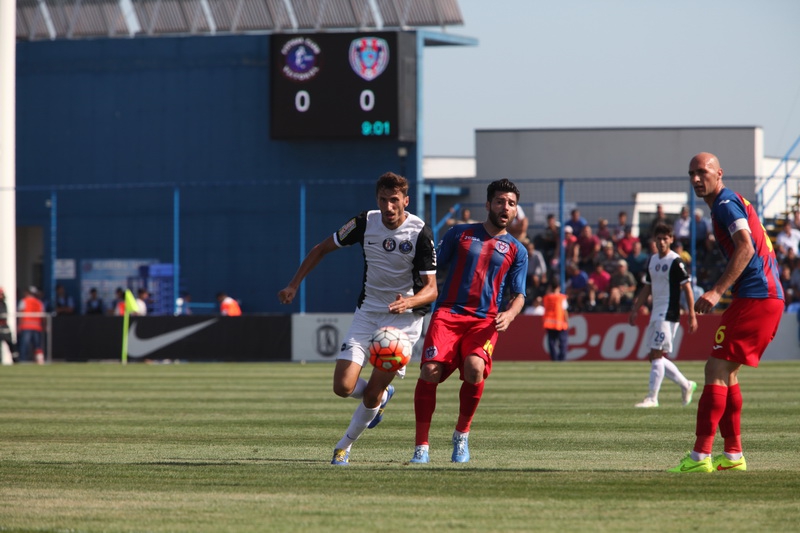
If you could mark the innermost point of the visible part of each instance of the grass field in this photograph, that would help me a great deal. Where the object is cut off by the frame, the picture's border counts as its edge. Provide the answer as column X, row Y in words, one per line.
column 246, row 447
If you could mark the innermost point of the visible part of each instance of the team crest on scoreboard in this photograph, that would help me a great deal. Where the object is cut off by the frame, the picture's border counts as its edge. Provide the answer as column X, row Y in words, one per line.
column 301, row 57
column 369, row 57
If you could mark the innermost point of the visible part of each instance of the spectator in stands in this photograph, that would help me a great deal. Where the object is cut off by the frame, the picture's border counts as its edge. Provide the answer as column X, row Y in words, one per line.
column 537, row 273
column 795, row 280
column 576, row 221
column 64, row 304
column 622, row 289
column 683, row 227
column 599, row 285
column 603, row 231
column 619, row 229
column 609, row 258
column 117, row 307
column 536, row 308
column 577, row 287
column 794, row 217
column 789, row 258
column 786, row 283
column 228, row 306
column 548, row 240
column 184, row 304
column 588, row 248
column 141, row 302
column 570, row 245
column 637, row 263
column 518, row 227
column 787, row 239
column 685, row 256
column 466, row 217
column 660, row 218
column 703, row 236
column 94, row 304
column 625, row 244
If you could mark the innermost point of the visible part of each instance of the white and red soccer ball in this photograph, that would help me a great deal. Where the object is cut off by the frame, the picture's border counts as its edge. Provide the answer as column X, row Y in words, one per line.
column 389, row 349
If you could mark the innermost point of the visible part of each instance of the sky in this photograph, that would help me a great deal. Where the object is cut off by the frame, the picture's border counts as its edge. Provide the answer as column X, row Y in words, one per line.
column 615, row 63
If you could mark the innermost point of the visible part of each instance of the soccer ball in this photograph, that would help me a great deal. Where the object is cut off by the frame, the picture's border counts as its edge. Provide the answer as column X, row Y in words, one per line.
column 389, row 349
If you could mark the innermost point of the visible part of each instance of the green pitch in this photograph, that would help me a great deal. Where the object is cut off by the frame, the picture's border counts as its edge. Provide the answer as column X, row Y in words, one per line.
column 247, row 447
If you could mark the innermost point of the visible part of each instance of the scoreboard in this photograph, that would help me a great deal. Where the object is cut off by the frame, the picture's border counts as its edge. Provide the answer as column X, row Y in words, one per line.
column 344, row 86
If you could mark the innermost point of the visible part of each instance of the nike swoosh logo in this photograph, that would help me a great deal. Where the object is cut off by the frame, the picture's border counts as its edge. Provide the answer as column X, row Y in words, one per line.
column 370, row 242
column 724, row 202
column 139, row 347
column 717, row 346
column 720, row 467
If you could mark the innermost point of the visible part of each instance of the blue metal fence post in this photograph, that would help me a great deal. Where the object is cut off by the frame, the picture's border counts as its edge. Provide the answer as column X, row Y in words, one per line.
column 433, row 213
column 176, row 248
column 562, row 254
column 302, row 241
column 53, row 243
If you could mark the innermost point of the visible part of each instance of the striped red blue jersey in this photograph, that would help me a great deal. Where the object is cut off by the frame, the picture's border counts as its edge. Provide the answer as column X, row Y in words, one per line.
column 761, row 276
column 480, row 267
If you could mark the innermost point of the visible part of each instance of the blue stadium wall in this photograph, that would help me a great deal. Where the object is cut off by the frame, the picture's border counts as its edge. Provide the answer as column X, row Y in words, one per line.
column 117, row 124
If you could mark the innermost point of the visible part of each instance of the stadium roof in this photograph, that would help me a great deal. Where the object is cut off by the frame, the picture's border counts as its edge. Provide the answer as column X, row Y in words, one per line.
column 84, row 19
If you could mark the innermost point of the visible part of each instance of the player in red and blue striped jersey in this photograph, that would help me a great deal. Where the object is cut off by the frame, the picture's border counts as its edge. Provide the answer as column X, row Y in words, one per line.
column 484, row 262
column 747, row 326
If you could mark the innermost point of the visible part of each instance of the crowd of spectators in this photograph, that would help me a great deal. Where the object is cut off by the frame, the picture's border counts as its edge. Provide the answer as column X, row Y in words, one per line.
column 605, row 264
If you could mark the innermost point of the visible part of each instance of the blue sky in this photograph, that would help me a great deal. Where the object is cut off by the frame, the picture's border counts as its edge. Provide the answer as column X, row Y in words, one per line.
column 615, row 63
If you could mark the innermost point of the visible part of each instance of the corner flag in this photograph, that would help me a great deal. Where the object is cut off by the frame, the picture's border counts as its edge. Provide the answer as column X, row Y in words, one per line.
column 130, row 306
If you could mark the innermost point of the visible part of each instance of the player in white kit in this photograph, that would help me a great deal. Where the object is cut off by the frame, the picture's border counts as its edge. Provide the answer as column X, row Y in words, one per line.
column 665, row 279
column 398, row 289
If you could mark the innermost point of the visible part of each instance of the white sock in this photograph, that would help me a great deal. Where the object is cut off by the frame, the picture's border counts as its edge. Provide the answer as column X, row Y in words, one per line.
column 671, row 371
column 696, row 456
column 656, row 376
column 733, row 456
column 459, row 434
column 358, row 390
column 358, row 424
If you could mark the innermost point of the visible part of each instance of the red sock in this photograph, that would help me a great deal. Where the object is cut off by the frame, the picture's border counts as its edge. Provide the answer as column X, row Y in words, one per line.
column 424, row 406
column 709, row 411
column 730, row 425
column 469, row 398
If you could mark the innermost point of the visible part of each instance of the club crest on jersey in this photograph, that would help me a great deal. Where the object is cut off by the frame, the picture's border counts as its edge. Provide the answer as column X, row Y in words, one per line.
column 389, row 245
column 300, row 56
column 406, row 247
column 501, row 246
column 369, row 57
column 431, row 352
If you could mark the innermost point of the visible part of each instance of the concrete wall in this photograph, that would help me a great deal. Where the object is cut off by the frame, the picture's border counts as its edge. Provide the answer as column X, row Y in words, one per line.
column 614, row 152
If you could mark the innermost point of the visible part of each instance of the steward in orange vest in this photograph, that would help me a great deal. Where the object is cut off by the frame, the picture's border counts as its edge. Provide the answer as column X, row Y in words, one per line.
column 228, row 306
column 29, row 330
column 556, row 321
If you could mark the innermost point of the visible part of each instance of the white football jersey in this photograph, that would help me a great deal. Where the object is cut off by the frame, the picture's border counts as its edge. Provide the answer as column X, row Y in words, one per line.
column 666, row 275
column 394, row 260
